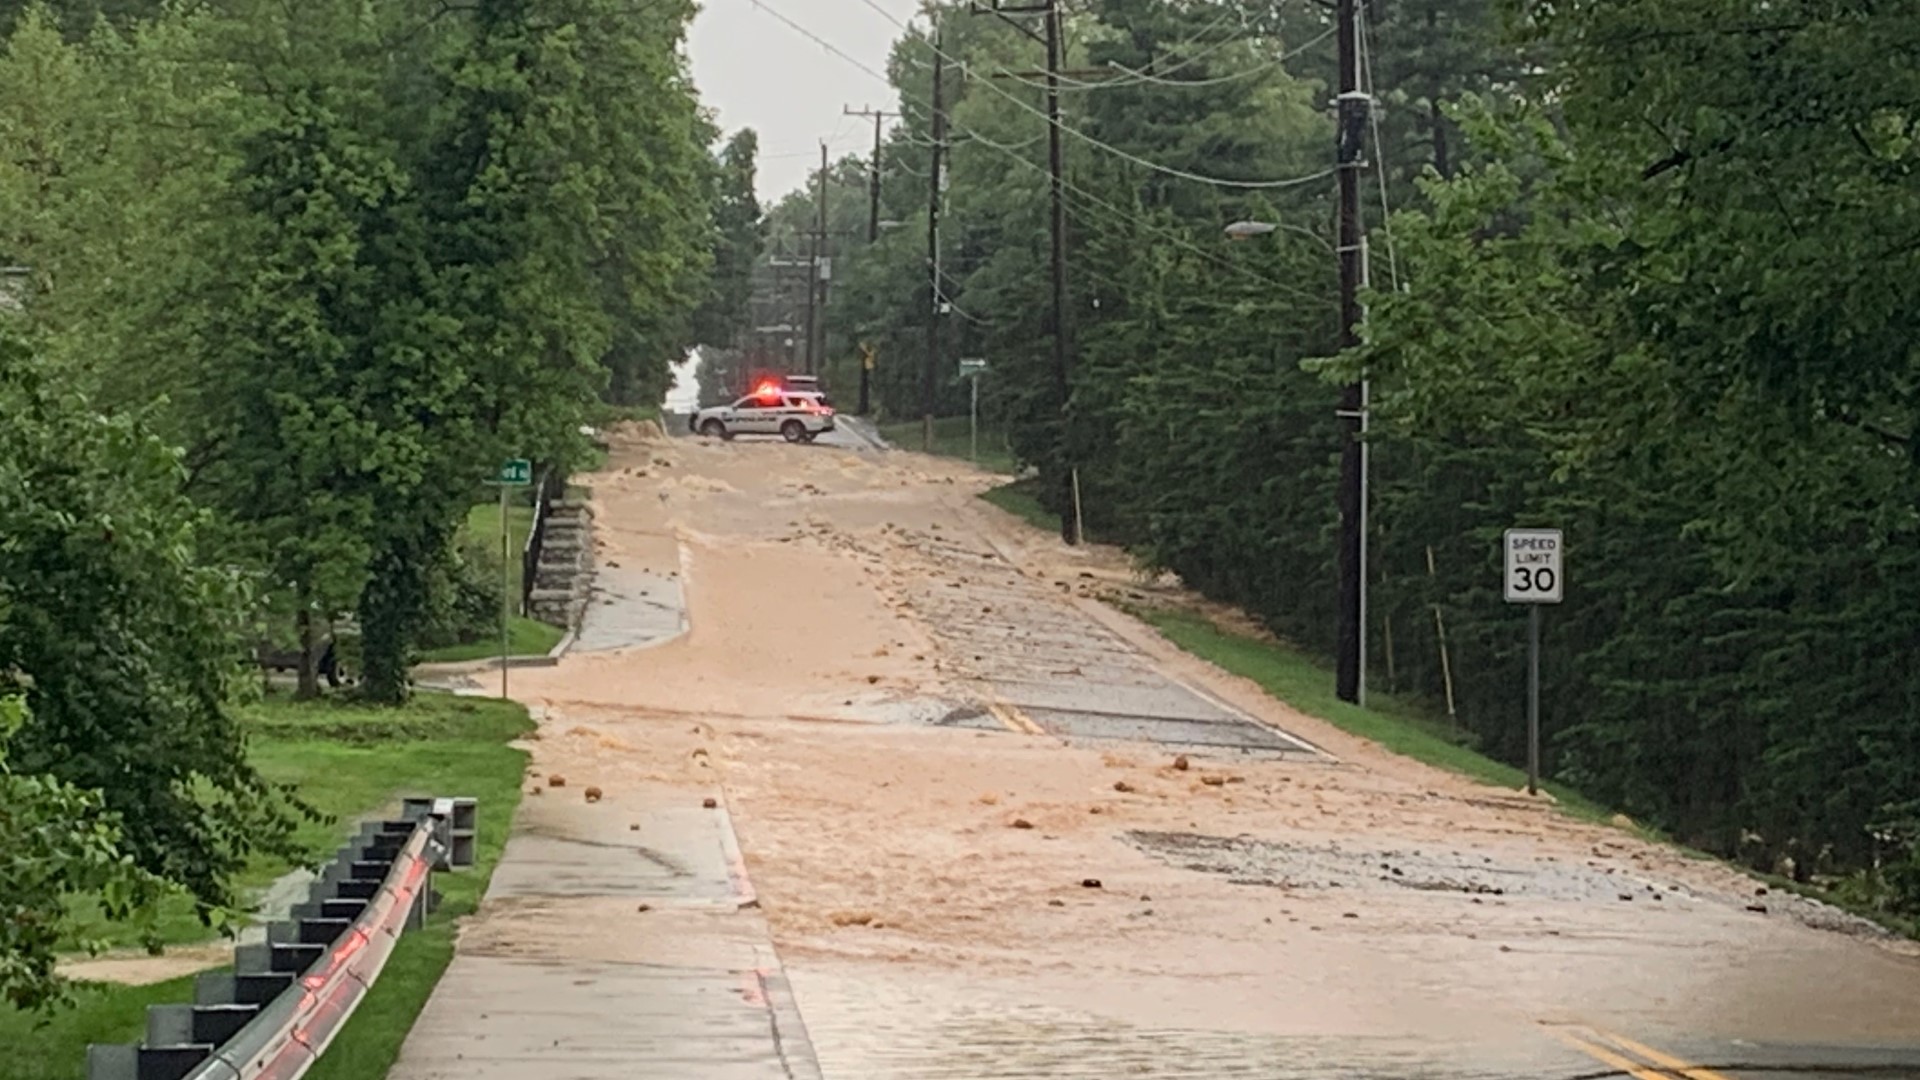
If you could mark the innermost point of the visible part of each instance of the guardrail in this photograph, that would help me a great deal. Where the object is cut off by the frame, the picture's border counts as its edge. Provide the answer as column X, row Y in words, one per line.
column 287, row 997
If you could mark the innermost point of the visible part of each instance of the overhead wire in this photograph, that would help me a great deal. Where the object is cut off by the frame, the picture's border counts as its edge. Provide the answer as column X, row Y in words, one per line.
column 1157, row 80
column 1078, row 84
column 1145, row 78
column 1119, row 214
column 1183, row 174
column 1065, row 184
column 1175, row 238
column 1380, row 154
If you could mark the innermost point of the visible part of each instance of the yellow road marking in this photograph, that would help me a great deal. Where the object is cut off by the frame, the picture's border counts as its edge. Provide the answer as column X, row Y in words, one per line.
column 1665, row 1061
column 1610, row 1059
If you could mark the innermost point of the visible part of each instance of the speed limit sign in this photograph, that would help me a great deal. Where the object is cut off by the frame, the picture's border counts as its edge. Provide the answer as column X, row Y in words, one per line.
column 1535, row 568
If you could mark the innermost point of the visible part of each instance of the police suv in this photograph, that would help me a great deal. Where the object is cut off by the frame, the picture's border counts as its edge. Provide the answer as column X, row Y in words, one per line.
column 797, row 416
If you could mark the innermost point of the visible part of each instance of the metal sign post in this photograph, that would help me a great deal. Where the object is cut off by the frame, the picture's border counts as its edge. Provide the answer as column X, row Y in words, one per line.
column 1535, row 575
column 515, row 472
column 971, row 371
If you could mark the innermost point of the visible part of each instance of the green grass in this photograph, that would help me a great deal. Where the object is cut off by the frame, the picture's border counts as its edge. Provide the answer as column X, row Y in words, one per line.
column 55, row 1047
column 482, row 529
column 1404, row 728
column 950, row 439
column 525, row 637
column 371, row 1041
column 1020, row 499
column 350, row 762
column 1398, row 725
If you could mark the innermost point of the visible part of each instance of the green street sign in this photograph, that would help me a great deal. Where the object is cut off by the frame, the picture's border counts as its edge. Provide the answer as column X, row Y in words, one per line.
column 516, row 472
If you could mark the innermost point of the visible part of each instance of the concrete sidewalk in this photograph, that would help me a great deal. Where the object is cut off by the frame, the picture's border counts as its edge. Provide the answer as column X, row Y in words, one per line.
column 602, row 950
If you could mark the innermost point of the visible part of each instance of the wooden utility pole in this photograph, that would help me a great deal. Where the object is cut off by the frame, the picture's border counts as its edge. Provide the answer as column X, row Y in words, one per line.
column 1062, row 387
column 873, row 227
column 1350, row 156
column 927, row 377
column 879, row 116
column 1065, row 445
column 817, row 285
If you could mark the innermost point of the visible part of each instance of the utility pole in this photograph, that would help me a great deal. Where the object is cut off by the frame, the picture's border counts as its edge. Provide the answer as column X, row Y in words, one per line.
column 1068, row 479
column 873, row 227
column 879, row 116
column 813, row 273
column 933, row 245
column 817, row 286
column 1069, row 516
column 1350, row 156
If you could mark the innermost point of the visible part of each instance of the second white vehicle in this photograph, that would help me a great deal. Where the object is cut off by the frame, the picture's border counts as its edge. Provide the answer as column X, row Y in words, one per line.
column 794, row 416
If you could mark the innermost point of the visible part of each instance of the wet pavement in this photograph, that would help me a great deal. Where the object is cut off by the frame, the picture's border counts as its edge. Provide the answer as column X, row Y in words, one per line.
column 926, row 1026
column 1049, row 668
column 1241, row 932
column 631, row 608
column 619, row 939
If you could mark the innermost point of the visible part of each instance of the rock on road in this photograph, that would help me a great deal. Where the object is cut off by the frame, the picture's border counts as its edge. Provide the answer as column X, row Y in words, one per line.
column 973, row 823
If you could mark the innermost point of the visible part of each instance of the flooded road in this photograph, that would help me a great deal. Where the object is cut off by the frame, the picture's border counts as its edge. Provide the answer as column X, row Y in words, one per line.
column 998, row 829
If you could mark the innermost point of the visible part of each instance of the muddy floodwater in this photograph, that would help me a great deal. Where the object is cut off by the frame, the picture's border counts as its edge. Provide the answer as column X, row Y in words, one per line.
column 997, row 828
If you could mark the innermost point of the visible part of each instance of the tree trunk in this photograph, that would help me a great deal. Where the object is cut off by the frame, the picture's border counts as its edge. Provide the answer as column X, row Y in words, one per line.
column 392, row 606
column 309, row 663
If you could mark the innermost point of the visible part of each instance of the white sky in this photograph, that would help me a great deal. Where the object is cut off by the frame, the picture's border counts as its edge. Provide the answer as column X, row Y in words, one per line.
column 759, row 73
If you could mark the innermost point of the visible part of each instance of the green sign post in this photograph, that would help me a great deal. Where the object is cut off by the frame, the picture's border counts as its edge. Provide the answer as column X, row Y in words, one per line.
column 513, row 473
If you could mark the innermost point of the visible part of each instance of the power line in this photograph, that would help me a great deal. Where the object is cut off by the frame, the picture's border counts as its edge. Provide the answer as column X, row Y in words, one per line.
column 1145, row 78
column 1379, row 148
column 1183, row 174
column 1078, row 84
column 1203, row 53
column 1256, row 69
column 975, row 136
column 1212, row 257
column 1138, row 76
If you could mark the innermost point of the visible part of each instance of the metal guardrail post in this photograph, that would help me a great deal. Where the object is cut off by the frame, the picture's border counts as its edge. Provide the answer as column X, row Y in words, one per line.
column 287, row 997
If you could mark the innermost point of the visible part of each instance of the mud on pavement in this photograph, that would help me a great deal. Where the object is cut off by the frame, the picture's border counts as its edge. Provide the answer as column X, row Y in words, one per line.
column 995, row 831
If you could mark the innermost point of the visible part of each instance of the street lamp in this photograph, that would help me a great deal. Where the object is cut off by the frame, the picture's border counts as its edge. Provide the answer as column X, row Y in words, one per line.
column 1246, row 230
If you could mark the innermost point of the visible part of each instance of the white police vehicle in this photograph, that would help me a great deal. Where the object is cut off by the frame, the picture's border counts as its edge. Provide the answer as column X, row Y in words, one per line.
column 794, row 415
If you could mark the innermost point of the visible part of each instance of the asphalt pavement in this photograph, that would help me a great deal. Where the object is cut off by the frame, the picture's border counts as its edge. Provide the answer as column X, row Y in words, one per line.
column 621, row 938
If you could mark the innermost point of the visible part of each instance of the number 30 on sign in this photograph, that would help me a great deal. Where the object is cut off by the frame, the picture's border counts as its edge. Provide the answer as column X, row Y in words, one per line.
column 1535, row 568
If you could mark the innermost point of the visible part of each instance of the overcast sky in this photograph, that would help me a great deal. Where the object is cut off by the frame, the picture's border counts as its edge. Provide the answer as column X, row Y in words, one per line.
column 759, row 73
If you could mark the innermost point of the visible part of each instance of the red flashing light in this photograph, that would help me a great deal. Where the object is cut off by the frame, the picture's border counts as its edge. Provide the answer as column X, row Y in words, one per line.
column 767, row 390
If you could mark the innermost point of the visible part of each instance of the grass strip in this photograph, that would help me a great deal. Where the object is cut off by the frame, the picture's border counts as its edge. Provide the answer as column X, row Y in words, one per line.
column 1394, row 723
column 951, row 439
column 351, row 762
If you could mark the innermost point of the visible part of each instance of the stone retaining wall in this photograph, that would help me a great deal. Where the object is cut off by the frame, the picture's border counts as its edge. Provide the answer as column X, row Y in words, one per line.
column 565, row 574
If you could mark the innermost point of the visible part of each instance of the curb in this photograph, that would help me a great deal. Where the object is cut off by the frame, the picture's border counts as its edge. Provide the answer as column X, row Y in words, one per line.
column 744, row 894
column 867, row 433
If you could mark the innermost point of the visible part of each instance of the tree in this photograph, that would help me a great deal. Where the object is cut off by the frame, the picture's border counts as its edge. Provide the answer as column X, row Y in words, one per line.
column 740, row 236
column 56, row 842
column 120, row 640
